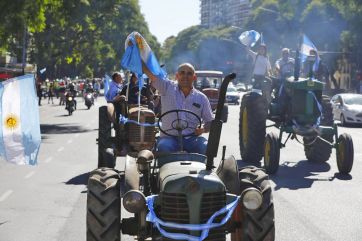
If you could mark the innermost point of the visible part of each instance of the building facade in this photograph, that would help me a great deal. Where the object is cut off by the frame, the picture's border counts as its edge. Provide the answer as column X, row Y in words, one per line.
column 216, row 13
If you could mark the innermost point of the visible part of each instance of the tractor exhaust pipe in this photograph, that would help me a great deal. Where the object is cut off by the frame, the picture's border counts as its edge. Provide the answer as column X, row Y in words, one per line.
column 216, row 124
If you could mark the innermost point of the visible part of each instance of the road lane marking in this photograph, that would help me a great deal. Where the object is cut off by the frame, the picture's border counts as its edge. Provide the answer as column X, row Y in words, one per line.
column 48, row 159
column 69, row 141
column 76, row 135
column 60, row 149
column 6, row 195
column 29, row 175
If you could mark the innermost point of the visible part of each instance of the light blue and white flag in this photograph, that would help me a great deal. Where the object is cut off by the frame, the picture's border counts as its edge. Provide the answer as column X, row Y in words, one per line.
column 107, row 80
column 305, row 49
column 249, row 38
column 138, row 51
column 19, row 115
column 43, row 70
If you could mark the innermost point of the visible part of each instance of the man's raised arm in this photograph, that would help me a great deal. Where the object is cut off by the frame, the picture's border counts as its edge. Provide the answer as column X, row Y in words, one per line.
column 148, row 72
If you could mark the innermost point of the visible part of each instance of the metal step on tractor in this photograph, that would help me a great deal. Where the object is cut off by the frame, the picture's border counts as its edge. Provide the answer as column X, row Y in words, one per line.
column 296, row 107
column 179, row 195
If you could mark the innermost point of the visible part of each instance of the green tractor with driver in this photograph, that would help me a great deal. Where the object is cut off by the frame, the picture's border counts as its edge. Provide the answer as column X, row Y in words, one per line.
column 297, row 108
column 180, row 195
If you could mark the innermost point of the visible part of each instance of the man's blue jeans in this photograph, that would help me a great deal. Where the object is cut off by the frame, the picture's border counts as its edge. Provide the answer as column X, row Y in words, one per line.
column 192, row 144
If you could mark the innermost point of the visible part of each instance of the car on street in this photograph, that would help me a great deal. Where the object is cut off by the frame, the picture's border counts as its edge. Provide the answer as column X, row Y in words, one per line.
column 232, row 95
column 209, row 82
column 347, row 108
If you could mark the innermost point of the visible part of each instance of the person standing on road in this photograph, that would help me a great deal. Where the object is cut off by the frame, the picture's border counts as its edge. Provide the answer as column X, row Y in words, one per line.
column 182, row 95
column 39, row 90
column 51, row 93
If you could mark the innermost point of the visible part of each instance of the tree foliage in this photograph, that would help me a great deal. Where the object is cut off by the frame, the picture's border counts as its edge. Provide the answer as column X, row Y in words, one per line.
column 332, row 25
column 77, row 37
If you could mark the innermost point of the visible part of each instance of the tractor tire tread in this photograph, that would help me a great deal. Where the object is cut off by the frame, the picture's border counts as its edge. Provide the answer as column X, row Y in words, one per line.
column 103, row 205
column 257, row 111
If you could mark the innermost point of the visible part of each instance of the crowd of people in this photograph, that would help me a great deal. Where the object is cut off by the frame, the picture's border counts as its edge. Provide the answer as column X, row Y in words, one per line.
column 50, row 89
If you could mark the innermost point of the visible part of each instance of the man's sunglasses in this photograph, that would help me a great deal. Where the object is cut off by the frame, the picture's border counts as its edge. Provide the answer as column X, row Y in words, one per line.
column 188, row 73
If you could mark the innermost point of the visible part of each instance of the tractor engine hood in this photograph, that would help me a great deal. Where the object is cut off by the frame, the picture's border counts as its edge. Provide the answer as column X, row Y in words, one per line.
column 189, row 177
column 190, row 194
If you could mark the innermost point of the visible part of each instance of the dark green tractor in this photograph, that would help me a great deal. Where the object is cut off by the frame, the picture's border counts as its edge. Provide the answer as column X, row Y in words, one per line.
column 298, row 109
column 181, row 195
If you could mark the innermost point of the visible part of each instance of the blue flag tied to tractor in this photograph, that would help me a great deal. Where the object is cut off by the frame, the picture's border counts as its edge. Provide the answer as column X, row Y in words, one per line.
column 19, row 121
column 107, row 80
column 138, row 51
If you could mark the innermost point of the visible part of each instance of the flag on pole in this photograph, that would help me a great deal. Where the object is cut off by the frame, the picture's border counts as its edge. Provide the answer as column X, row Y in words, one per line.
column 249, row 38
column 19, row 115
column 107, row 80
column 305, row 50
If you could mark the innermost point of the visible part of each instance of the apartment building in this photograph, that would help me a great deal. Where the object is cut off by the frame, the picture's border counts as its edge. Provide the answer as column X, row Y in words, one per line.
column 224, row 12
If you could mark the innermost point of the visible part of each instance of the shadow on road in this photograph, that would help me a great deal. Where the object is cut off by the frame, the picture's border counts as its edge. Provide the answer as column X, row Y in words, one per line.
column 81, row 179
column 61, row 129
column 301, row 174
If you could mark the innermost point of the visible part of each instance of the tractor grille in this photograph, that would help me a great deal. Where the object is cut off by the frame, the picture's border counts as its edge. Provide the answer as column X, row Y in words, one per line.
column 212, row 202
column 141, row 137
column 174, row 208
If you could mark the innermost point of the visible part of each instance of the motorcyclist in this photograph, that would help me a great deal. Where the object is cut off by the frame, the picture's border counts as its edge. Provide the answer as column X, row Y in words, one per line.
column 72, row 92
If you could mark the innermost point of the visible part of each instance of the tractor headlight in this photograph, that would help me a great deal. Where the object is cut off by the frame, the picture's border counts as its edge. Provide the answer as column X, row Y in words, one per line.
column 252, row 198
column 134, row 201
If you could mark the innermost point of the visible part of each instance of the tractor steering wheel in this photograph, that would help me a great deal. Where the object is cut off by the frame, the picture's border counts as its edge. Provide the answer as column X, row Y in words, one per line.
column 180, row 124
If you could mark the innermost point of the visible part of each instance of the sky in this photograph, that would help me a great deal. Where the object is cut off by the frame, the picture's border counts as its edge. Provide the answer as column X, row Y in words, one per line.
column 168, row 17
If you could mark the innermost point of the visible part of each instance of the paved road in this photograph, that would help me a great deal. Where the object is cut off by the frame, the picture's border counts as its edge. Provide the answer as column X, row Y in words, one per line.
column 47, row 202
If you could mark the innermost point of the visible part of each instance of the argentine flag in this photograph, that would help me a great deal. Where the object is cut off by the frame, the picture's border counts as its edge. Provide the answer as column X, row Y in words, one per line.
column 138, row 51
column 19, row 115
column 249, row 38
column 107, row 80
column 306, row 47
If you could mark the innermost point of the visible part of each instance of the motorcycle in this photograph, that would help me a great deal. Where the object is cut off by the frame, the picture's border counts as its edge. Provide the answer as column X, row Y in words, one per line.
column 89, row 100
column 70, row 104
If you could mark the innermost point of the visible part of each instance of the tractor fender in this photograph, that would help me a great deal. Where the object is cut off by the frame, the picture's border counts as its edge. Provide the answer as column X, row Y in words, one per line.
column 131, row 175
column 228, row 172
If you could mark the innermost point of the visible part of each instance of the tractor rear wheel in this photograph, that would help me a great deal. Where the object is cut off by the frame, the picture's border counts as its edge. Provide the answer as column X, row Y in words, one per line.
column 345, row 153
column 318, row 150
column 252, row 125
column 258, row 224
column 104, row 135
column 271, row 153
column 103, row 205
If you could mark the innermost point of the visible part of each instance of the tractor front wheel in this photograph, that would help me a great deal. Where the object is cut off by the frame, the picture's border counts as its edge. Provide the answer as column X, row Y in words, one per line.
column 258, row 224
column 345, row 153
column 271, row 153
column 103, row 205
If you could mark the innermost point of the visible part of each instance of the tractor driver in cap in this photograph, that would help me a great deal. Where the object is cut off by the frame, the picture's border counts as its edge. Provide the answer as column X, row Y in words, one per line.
column 182, row 95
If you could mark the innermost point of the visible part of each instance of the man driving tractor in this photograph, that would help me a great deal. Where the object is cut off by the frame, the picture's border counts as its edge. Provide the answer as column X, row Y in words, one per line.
column 178, row 96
